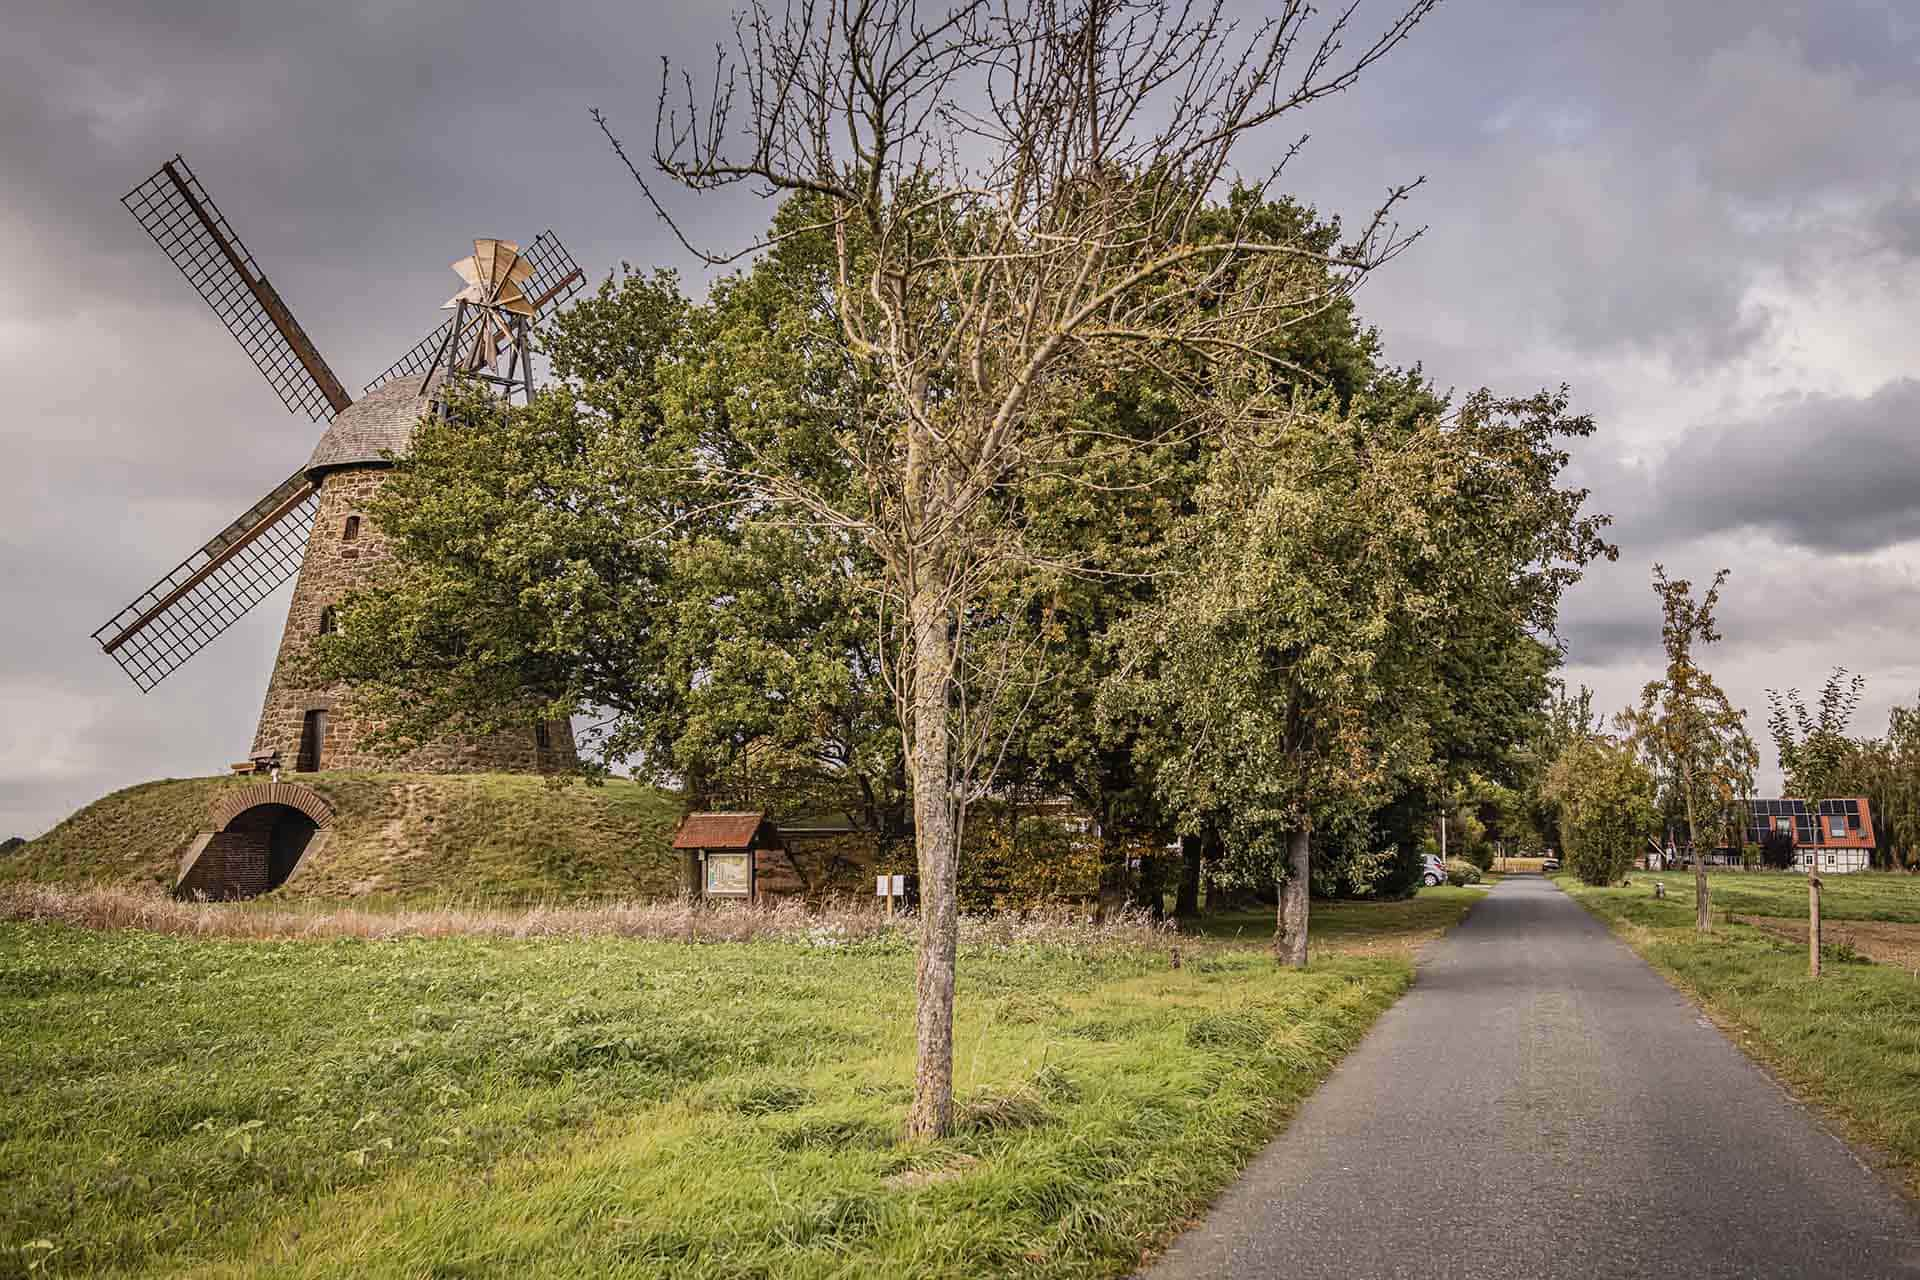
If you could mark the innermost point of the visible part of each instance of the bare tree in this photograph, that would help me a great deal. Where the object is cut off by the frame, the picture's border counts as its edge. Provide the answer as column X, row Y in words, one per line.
column 1014, row 192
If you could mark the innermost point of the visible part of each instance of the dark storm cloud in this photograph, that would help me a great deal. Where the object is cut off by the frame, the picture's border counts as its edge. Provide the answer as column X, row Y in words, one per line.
column 1823, row 472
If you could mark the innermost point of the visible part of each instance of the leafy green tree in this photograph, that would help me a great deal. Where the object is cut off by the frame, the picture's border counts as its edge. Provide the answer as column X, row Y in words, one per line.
column 1816, row 755
column 1605, row 798
column 992, row 266
column 1776, row 850
column 1113, row 520
column 1895, row 785
column 583, row 549
column 1565, row 720
column 1690, row 735
column 1338, row 579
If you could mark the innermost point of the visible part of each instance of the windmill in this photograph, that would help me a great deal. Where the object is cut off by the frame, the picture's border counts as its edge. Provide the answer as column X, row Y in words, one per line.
column 311, row 523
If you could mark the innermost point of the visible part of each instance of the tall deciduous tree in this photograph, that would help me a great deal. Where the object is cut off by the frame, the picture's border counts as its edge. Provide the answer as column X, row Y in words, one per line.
column 1692, row 737
column 1009, row 191
column 1343, row 582
column 577, row 549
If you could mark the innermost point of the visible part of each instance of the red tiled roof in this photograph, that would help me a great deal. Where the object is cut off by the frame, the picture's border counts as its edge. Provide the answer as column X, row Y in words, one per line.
column 718, row 830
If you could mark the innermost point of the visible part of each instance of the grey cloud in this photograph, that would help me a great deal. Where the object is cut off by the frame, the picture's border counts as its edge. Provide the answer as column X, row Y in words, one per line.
column 1823, row 472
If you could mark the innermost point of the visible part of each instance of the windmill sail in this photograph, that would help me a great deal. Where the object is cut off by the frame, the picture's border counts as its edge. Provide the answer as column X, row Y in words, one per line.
column 553, row 278
column 214, row 587
column 182, row 219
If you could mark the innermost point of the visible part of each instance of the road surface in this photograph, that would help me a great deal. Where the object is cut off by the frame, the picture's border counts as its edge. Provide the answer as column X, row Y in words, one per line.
column 1542, row 1104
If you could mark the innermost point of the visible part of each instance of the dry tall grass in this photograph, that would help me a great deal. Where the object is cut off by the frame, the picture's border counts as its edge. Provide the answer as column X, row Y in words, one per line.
column 674, row 920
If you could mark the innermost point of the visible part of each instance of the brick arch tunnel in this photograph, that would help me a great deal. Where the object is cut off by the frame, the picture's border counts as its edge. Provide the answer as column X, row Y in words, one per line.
column 257, row 838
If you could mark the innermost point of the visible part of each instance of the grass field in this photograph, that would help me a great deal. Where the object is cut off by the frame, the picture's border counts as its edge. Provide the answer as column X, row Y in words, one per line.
column 1849, row 1041
column 464, row 1106
column 1349, row 924
column 1859, row 895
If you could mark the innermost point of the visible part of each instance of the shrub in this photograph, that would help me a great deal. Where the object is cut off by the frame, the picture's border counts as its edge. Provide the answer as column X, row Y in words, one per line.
column 1037, row 860
column 1462, row 872
column 1606, row 802
column 1776, row 850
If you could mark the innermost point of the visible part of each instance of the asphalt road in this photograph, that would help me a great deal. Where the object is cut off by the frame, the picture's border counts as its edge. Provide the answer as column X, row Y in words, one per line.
column 1542, row 1104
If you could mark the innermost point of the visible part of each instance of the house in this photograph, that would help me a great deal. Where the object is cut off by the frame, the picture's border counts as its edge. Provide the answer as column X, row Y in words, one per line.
column 1834, row 835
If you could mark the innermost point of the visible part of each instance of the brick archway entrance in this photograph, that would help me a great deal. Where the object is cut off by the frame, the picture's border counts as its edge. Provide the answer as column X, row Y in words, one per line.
column 257, row 838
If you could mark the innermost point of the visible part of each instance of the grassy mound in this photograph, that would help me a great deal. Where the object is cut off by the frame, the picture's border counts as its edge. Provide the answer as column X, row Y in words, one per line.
column 404, row 837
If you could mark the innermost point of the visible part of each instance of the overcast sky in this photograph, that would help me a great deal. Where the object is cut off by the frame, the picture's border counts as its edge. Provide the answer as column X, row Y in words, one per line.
column 1707, row 223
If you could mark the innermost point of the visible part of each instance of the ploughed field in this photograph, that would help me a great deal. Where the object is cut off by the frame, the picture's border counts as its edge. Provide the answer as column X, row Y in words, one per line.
column 609, row 1106
column 1849, row 1040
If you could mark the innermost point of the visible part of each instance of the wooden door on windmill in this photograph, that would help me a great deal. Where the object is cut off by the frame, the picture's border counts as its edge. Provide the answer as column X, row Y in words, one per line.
column 313, row 736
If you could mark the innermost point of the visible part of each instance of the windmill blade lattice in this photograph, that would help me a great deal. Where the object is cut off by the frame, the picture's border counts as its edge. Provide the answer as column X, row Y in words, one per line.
column 554, row 278
column 214, row 587
column 183, row 220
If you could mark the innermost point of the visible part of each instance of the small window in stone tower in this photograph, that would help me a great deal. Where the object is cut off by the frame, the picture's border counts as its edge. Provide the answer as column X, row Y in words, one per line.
column 328, row 623
column 542, row 736
column 313, row 741
column 352, row 531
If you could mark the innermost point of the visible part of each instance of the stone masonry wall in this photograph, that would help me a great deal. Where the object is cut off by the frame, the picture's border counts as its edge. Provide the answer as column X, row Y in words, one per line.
column 333, row 566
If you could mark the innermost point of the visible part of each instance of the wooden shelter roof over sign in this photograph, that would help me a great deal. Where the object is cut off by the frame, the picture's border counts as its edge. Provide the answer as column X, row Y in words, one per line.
column 720, row 830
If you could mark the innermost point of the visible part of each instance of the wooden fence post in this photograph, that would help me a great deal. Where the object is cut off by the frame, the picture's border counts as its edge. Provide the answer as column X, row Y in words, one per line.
column 1813, row 923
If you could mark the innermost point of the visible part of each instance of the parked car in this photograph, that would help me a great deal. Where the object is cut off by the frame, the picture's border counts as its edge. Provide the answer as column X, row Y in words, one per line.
column 1551, row 862
column 1433, row 872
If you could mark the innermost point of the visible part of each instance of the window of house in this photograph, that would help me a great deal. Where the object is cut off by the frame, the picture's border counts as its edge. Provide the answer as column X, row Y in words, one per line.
column 542, row 736
column 1829, row 859
column 1783, row 824
column 1837, row 826
column 328, row 624
column 352, row 530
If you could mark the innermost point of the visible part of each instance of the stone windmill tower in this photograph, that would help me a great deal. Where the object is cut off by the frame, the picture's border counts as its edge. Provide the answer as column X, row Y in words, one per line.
column 314, row 524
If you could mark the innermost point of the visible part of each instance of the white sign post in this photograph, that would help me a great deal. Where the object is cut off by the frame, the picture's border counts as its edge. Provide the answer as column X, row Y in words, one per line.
column 890, row 887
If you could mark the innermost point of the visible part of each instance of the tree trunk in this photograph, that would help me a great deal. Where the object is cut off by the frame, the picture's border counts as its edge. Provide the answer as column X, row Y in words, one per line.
column 1290, row 940
column 937, row 845
column 1148, row 890
column 1702, row 911
column 1186, row 904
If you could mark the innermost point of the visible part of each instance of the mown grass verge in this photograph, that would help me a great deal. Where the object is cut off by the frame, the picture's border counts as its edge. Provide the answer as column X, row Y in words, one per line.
column 604, row 1106
column 1848, row 1041
column 1859, row 895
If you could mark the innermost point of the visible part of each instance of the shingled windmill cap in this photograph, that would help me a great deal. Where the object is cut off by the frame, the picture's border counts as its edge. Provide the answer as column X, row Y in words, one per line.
column 377, row 427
